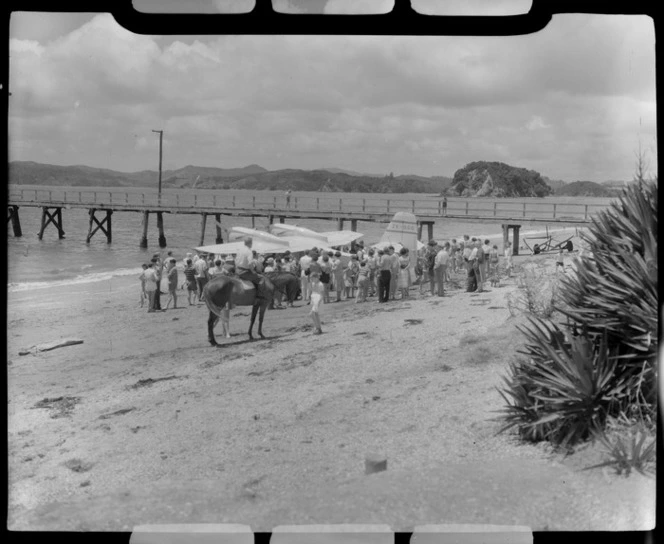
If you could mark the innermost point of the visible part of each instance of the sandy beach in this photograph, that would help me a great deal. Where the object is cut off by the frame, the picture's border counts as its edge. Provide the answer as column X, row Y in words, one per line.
column 145, row 422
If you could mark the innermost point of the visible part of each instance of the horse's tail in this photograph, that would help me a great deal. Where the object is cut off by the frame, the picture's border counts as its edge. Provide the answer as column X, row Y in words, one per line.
column 209, row 296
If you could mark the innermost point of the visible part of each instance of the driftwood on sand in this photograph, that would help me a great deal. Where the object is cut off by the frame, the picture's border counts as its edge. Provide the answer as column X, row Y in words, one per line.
column 50, row 345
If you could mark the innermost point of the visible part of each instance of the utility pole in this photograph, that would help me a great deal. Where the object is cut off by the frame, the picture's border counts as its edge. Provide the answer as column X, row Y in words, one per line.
column 160, row 218
column 161, row 136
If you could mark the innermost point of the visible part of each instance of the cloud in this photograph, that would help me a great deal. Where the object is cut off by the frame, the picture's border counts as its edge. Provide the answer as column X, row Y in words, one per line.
column 571, row 101
column 536, row 123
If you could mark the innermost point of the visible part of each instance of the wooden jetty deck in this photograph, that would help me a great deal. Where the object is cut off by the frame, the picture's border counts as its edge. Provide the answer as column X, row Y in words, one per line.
column 511, row 213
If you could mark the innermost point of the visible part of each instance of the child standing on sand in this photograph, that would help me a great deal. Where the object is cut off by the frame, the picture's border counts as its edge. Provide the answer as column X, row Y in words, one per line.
column 317, row 291
column 172, row 275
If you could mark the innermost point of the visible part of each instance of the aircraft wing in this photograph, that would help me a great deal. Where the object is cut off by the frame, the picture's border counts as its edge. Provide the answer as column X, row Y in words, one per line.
column 341, row 237
column 233, row 247
column 294, row 244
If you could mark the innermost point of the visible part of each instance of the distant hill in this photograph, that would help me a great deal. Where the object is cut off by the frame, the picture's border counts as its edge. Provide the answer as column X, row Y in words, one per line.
column 497, row 179
column 352, row 172
column 249, row 177
column 324, row 180
column 585, row 188
column 33, row 173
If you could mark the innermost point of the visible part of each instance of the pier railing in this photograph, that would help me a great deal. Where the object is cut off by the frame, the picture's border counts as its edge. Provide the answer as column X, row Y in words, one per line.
column 263, row 203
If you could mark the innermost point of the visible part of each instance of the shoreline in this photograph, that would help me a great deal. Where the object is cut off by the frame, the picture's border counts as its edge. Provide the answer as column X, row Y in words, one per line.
column 99, row 277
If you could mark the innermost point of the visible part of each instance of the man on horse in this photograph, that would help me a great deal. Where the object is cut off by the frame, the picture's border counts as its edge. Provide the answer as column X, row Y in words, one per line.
column 245, row 268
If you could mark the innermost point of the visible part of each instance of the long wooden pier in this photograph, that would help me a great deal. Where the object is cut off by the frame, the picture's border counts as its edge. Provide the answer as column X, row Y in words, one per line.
column 511, row 213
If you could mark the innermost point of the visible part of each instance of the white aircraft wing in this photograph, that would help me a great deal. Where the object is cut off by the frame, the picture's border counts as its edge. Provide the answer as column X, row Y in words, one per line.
column 233, row 247
column 332, row 238
column 264, row 242
column 341, row 237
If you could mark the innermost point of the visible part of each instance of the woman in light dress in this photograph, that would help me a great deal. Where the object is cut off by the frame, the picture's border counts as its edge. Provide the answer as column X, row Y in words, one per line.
column 150, row 285
column 404, row 272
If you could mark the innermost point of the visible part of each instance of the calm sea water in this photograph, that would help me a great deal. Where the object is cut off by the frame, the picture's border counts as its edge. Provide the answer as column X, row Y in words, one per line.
column 34, row 264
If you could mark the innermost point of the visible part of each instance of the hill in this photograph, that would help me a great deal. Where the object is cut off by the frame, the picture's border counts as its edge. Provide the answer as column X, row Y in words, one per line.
column 586, row 188
column 249, row 177
column 33, row 173
column 324, row 180
column 497, row 179
column 351, row 172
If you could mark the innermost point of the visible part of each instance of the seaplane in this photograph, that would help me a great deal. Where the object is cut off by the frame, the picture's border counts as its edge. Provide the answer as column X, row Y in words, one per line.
column 266, row 242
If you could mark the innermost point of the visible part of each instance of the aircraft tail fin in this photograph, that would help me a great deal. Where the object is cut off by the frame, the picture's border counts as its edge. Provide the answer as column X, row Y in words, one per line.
column 402, row 230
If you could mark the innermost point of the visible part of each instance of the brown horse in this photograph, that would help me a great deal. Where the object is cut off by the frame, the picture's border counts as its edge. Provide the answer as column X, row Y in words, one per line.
column 222, row 290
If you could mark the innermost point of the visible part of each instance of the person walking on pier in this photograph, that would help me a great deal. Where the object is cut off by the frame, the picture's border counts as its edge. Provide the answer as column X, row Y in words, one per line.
column 444, row 205
column 288, row 197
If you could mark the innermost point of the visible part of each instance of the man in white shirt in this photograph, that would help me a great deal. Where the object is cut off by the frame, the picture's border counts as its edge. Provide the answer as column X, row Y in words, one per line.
column 201, row 268
column 244, row 266
column 305, row 263
column 440, row 267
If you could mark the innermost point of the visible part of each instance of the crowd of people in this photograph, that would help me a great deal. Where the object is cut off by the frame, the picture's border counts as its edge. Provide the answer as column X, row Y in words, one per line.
column 384, row 273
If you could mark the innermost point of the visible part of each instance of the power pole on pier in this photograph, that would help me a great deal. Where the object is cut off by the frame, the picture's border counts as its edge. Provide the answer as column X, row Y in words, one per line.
column 161, row 137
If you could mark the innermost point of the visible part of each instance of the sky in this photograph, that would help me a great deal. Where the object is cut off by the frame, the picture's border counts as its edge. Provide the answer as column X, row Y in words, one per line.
column 573, row 101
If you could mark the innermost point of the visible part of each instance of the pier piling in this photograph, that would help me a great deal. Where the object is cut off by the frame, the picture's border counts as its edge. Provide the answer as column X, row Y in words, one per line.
column 48, row 218
column 203, row 221
column 160, row 228
column 515, row 236
column 16, row 222
column 144, row 227
column 217, row 219
column 420, row 225
column 100, row 225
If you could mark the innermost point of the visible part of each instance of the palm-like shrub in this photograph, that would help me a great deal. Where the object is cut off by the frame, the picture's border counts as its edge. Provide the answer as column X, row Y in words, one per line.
column 602, row 362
